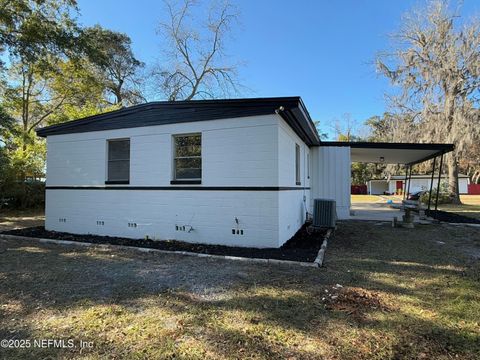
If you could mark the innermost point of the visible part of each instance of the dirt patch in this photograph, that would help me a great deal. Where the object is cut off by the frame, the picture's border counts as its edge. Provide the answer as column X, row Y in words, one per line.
column 356, row 302
column 14, row 219
column 451, row 217
column 303, row 246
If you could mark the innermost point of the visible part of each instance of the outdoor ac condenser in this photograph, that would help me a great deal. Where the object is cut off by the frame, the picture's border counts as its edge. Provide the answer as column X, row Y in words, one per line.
column 324, row 213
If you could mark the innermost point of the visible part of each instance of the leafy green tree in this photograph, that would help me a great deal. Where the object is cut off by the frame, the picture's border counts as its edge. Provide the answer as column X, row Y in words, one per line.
column 34, row 29
column 56, row 71
column 117, row 66
column 36, row 34
column 78, row 90
column 7, row 124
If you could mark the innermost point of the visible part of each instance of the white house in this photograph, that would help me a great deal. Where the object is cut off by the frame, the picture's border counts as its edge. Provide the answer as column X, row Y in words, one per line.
column 237, row 172
column 417, row 183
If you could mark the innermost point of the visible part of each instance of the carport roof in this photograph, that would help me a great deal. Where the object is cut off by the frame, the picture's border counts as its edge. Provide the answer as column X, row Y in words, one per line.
column 391, row 153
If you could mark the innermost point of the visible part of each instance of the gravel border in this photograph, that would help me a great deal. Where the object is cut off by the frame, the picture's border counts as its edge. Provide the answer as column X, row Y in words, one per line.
column 316, row 263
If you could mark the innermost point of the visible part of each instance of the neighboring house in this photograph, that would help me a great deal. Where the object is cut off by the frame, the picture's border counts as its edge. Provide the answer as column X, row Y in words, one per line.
column 396, row 184
column 237, row 172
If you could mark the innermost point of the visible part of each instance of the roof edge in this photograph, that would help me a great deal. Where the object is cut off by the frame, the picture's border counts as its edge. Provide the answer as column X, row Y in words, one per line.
column 44, row 131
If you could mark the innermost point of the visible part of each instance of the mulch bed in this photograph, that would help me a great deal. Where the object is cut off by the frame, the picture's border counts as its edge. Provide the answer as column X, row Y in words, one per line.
column 451, row 217
column 303, row 246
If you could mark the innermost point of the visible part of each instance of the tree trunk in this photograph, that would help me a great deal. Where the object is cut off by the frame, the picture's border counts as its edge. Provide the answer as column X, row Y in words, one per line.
column 476, row 177
column 453, row 188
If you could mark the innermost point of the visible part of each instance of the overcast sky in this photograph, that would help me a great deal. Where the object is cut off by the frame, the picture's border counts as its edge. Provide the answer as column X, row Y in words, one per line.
column 320, row 50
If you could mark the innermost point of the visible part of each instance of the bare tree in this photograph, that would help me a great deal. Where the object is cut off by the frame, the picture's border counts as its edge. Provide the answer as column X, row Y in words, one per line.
column 195, row 63
column 346, row 129
column 436, row 66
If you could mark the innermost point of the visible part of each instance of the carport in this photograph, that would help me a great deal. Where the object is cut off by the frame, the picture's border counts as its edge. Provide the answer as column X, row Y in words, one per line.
column 406, row 154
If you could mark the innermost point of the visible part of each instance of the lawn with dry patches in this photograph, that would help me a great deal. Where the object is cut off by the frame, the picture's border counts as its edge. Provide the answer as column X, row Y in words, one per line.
column 470, row 206
column 384, row 294
column 11, row 219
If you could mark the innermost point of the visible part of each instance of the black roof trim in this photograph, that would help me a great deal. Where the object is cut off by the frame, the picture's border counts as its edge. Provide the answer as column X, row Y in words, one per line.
column 384, row 145
column 171, row 112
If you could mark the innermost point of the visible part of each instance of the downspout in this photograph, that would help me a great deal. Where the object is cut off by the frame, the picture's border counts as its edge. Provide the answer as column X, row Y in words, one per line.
column 305, row 183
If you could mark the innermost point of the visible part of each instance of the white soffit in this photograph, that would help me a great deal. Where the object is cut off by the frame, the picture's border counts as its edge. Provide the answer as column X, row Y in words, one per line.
column 390, row 156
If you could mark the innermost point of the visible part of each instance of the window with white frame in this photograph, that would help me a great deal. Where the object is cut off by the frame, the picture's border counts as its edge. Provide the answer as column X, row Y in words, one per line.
column 118, row 168
column 297, row 164
column 187, row 161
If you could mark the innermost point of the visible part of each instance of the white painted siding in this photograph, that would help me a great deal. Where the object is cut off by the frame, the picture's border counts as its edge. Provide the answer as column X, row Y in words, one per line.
column 293, row 205
column 252, row 151
column 331, row 176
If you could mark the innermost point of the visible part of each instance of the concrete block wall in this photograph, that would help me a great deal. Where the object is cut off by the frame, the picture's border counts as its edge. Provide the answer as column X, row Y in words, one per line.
column 194, row 216
column 240, row 152
column 293, row 204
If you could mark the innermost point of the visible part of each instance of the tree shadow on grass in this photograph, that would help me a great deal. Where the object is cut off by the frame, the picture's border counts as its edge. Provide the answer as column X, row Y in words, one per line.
column 283, row 300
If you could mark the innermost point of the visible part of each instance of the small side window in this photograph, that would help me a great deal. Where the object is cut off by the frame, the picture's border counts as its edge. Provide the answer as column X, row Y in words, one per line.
column 297, row 164
column 118, row 168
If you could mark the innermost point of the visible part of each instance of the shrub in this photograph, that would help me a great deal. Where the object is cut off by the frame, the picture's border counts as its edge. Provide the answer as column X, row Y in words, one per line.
column 16, row 193
column 23, row 195
column 443, row 195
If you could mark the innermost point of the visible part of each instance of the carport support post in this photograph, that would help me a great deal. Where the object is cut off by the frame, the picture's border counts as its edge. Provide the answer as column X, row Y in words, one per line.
column 439, row 178
column 405, row 184
column 431, row 182
column 409, row 180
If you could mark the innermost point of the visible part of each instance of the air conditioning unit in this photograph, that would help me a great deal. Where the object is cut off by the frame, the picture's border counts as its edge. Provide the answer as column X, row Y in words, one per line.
column 324, row 213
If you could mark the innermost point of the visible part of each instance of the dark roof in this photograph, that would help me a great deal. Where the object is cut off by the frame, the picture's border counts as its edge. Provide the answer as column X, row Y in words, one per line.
column 292, row 110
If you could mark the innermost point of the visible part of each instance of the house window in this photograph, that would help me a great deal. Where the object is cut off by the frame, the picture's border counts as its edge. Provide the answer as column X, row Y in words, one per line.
column 118, row 161
column 297, row 164
column 187, row 158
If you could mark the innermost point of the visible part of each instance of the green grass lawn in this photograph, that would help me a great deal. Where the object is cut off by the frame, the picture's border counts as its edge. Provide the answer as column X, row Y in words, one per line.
column 470, row 206
column 365, row 198
column 404, row 293
column 470, row 203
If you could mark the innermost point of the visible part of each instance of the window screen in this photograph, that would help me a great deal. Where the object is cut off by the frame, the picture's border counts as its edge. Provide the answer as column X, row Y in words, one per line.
column 188, row 157
column 119, row 160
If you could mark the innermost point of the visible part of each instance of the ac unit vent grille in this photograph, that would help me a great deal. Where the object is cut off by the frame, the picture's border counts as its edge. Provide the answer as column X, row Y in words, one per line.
column 324, row 213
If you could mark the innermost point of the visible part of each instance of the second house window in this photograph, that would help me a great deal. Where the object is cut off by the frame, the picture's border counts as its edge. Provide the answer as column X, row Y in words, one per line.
column 187, row 157
column 118, row 161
